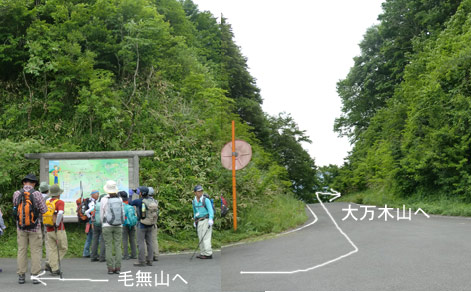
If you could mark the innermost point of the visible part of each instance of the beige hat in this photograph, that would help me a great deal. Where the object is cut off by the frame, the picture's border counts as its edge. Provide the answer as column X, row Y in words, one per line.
column 111, row 187
column 43, row 187
column 55, row 190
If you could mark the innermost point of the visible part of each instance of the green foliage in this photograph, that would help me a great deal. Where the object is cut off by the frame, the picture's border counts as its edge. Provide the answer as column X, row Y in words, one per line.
column 385, row 52
column 327, row 175
column 436, row 140
column 285, row 143
column 417, row 145
column 265, row 218
column 14, row 168
column 106, row 75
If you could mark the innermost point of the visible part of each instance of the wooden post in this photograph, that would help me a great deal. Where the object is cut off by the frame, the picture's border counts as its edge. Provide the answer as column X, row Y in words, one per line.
column 234, row 199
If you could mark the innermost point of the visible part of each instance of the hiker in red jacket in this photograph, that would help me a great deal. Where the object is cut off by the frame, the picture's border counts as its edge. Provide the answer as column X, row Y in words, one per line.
column 57, row 245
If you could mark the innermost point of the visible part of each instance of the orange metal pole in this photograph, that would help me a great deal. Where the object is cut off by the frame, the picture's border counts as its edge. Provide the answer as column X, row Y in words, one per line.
column 234, row 200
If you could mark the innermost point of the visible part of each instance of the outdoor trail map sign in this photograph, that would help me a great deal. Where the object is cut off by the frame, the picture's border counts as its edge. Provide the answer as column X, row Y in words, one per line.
column 93, row 169
column 92, row 173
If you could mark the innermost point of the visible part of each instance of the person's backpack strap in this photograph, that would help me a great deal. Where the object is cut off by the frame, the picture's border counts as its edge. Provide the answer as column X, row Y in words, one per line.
column 17, row 201
column 206, row 197
column 205, row 201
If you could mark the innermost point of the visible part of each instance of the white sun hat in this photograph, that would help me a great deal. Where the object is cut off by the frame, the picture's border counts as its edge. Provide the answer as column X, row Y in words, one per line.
column 111, row 187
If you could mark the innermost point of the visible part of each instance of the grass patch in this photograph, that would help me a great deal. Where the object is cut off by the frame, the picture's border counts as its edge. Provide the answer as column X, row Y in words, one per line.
column 255, row 223
column 438, row 206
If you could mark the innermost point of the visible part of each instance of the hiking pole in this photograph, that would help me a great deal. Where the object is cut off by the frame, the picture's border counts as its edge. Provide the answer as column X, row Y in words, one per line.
column 200, row 243
column 58, row 254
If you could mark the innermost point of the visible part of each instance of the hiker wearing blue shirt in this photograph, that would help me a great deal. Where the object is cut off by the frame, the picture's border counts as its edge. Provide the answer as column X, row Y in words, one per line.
column 144, row 231
column 203, row 215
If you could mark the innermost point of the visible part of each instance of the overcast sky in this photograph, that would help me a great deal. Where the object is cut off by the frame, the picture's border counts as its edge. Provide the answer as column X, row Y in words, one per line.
column 298, row 50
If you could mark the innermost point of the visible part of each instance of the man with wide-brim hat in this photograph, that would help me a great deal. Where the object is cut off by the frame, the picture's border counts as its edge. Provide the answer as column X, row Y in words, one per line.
column 31, row 178
column 57, row 245
column 32, row 235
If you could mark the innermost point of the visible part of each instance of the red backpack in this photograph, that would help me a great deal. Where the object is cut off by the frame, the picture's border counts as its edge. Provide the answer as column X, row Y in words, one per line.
column 224, row 208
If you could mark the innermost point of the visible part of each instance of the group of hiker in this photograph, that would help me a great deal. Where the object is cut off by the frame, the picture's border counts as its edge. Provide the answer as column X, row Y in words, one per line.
column 112, row 221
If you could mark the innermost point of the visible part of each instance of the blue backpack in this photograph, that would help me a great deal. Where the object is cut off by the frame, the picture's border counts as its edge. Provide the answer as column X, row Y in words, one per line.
column 130, row 218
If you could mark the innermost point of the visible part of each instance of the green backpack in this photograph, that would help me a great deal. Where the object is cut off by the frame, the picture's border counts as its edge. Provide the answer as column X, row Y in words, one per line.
column 96, row 215
column 130, row 218
column 150, row 211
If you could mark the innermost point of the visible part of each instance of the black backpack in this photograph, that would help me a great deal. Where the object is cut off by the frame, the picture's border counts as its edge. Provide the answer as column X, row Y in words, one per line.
column 82, row 206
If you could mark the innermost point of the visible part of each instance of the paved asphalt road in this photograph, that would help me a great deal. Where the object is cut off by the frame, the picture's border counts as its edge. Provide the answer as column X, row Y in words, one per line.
column 172, row 265
column 422, row 254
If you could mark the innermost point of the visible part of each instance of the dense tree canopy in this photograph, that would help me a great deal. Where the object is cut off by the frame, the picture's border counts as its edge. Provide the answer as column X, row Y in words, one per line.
column 95, row 75
column 385, row 51
column 416, row 141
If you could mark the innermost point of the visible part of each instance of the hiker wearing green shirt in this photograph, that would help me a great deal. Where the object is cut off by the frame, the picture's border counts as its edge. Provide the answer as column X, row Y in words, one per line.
column 203, row 215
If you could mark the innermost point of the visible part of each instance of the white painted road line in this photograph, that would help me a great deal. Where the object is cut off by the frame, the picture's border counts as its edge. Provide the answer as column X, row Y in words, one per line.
column 355, row 250
column 284, row 233
column 302, row 227
column 38, row 277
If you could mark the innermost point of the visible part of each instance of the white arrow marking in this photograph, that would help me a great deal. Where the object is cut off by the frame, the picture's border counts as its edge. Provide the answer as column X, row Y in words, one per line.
column 59, row 279
column 335, row 194
column 320, row 265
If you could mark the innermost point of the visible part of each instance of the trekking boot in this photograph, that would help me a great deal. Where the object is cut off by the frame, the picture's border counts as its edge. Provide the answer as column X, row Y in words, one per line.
column 110, row 271
column 139, row 264
column 117, row 270
column 47, row 268
column 205, row 257
column 21, row 279
column 148, row 263
column 35, row 281
column 56, row 273
column 156, row 259
column 94, row 260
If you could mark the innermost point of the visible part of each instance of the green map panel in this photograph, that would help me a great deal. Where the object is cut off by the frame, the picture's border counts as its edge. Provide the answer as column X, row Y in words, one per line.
column 93, row 174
